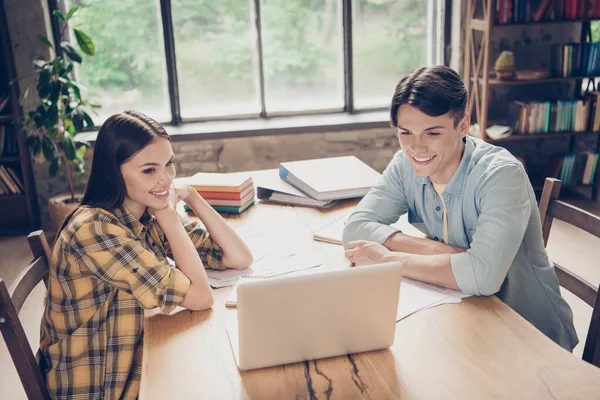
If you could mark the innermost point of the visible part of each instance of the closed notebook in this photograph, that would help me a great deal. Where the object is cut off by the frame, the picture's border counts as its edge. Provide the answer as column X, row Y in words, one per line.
column 271, row 188
column 217, row 182
column 329, row 179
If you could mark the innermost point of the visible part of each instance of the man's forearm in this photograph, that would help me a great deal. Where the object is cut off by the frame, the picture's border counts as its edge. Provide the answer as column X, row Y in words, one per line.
column 435, row 269
column 413, row 245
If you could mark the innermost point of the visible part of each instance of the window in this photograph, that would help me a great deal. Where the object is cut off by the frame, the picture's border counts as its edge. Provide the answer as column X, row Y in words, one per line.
column 128, row 70
column 190, row 60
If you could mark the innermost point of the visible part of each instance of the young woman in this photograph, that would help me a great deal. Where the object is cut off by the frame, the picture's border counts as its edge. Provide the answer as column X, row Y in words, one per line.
column 112, row 260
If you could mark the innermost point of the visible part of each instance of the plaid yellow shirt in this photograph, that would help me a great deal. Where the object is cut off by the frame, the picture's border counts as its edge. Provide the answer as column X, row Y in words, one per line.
column 106, row 268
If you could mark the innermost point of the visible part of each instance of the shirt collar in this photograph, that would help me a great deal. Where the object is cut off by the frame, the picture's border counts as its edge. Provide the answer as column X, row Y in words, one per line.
column 135, row 225
column 456, row 182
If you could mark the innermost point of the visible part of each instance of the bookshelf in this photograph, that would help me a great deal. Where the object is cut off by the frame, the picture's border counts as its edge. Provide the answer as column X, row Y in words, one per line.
column 19, row 212
column 489, row 19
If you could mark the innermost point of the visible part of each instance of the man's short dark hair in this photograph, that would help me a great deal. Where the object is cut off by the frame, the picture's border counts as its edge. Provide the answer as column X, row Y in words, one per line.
column 434, row 91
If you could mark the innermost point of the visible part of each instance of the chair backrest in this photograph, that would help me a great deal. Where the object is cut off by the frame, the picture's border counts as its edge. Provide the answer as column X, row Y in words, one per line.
column 550, row 207
column 10, row 304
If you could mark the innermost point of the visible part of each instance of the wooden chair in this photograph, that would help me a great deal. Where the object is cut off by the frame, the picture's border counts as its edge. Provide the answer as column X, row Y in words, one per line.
column 550, row 207
column 10, row 304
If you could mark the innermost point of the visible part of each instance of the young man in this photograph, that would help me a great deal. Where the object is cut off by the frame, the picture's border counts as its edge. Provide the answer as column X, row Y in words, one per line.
column 474, row 199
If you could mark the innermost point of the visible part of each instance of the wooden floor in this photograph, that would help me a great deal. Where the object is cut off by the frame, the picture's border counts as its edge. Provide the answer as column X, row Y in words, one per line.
column 567, row 246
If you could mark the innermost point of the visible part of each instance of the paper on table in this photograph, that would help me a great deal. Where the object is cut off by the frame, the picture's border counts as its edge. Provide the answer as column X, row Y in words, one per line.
column 332, row 232
column 416, row 296
column 231, row 300
column 280, row 262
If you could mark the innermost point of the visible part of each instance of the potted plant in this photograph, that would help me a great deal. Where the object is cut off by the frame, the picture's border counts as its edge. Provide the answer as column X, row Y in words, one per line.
column 63, row 113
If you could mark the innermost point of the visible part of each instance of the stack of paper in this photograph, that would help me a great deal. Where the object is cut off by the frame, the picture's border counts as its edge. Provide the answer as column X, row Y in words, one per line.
column 278, row 263
column 416, row 296
column 226, row 192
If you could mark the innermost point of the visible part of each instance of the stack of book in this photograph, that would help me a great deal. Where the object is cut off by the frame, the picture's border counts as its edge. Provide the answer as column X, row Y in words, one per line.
column 551, row 116
column 225, row 192
column 10, row 183
column 574, row 169
column 318, row 183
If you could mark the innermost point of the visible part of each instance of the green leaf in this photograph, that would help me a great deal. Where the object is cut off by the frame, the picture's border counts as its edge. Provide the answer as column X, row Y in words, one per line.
column 71, row 12
column 48, row 148
column 71, row 52
column 24, row 95
column 44, row 39
column 72, row 85
column 59, row 15
column 68, row 147
column 32, row 142
column 85, row 42
column 51, row 116
column 78, row 120
column 81, row 152
column 89, row 122
column 69, row 127
column 95, row 105
column 54, row 167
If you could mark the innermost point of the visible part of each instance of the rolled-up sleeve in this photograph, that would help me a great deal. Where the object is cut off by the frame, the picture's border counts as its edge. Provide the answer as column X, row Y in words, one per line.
column 505, row 208
column 210, row 252
column 380, row 208
column 109, row 252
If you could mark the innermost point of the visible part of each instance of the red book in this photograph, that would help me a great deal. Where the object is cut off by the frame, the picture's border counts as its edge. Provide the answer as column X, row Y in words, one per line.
column 228, row 195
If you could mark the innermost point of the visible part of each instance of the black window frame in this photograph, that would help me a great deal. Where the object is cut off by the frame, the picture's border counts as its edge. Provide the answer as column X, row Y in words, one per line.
column 443, row 42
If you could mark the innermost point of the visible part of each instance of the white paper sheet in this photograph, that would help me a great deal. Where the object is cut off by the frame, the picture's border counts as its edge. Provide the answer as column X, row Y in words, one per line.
column 416, row 296
column 277, row 263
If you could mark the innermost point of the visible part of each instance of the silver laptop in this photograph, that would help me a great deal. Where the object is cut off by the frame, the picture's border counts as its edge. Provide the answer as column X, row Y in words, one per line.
column 291, row 319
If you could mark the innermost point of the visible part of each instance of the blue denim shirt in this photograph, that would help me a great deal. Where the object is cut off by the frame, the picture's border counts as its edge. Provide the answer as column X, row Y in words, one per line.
column 492, row 211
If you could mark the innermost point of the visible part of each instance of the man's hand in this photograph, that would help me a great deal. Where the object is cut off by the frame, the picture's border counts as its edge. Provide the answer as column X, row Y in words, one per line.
column 363, row 252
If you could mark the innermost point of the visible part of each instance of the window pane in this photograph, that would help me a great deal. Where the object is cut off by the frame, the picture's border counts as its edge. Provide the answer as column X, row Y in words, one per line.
column 389, row 39
column 303, row 53
column 213, row 43
column 128, row 70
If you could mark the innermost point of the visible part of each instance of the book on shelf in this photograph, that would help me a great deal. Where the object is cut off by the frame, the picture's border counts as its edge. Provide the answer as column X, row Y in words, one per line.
column 329, row 179
column 536, row 117
column 11, row 180
column 4, row 101
column 271, row 188
column 573, row 169
column 8, row 141
column 575, row 59
column 523, row 11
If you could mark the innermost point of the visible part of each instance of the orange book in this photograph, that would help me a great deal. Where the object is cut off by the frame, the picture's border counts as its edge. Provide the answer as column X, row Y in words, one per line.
column 233, row 182
column 227, row 195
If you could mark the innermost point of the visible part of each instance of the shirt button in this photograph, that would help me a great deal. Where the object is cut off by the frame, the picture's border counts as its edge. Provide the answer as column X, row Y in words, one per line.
column 438, row 208
column 436, row 238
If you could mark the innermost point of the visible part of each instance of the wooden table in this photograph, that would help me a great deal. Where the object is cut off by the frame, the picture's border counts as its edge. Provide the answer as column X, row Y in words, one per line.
column 478, row 349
